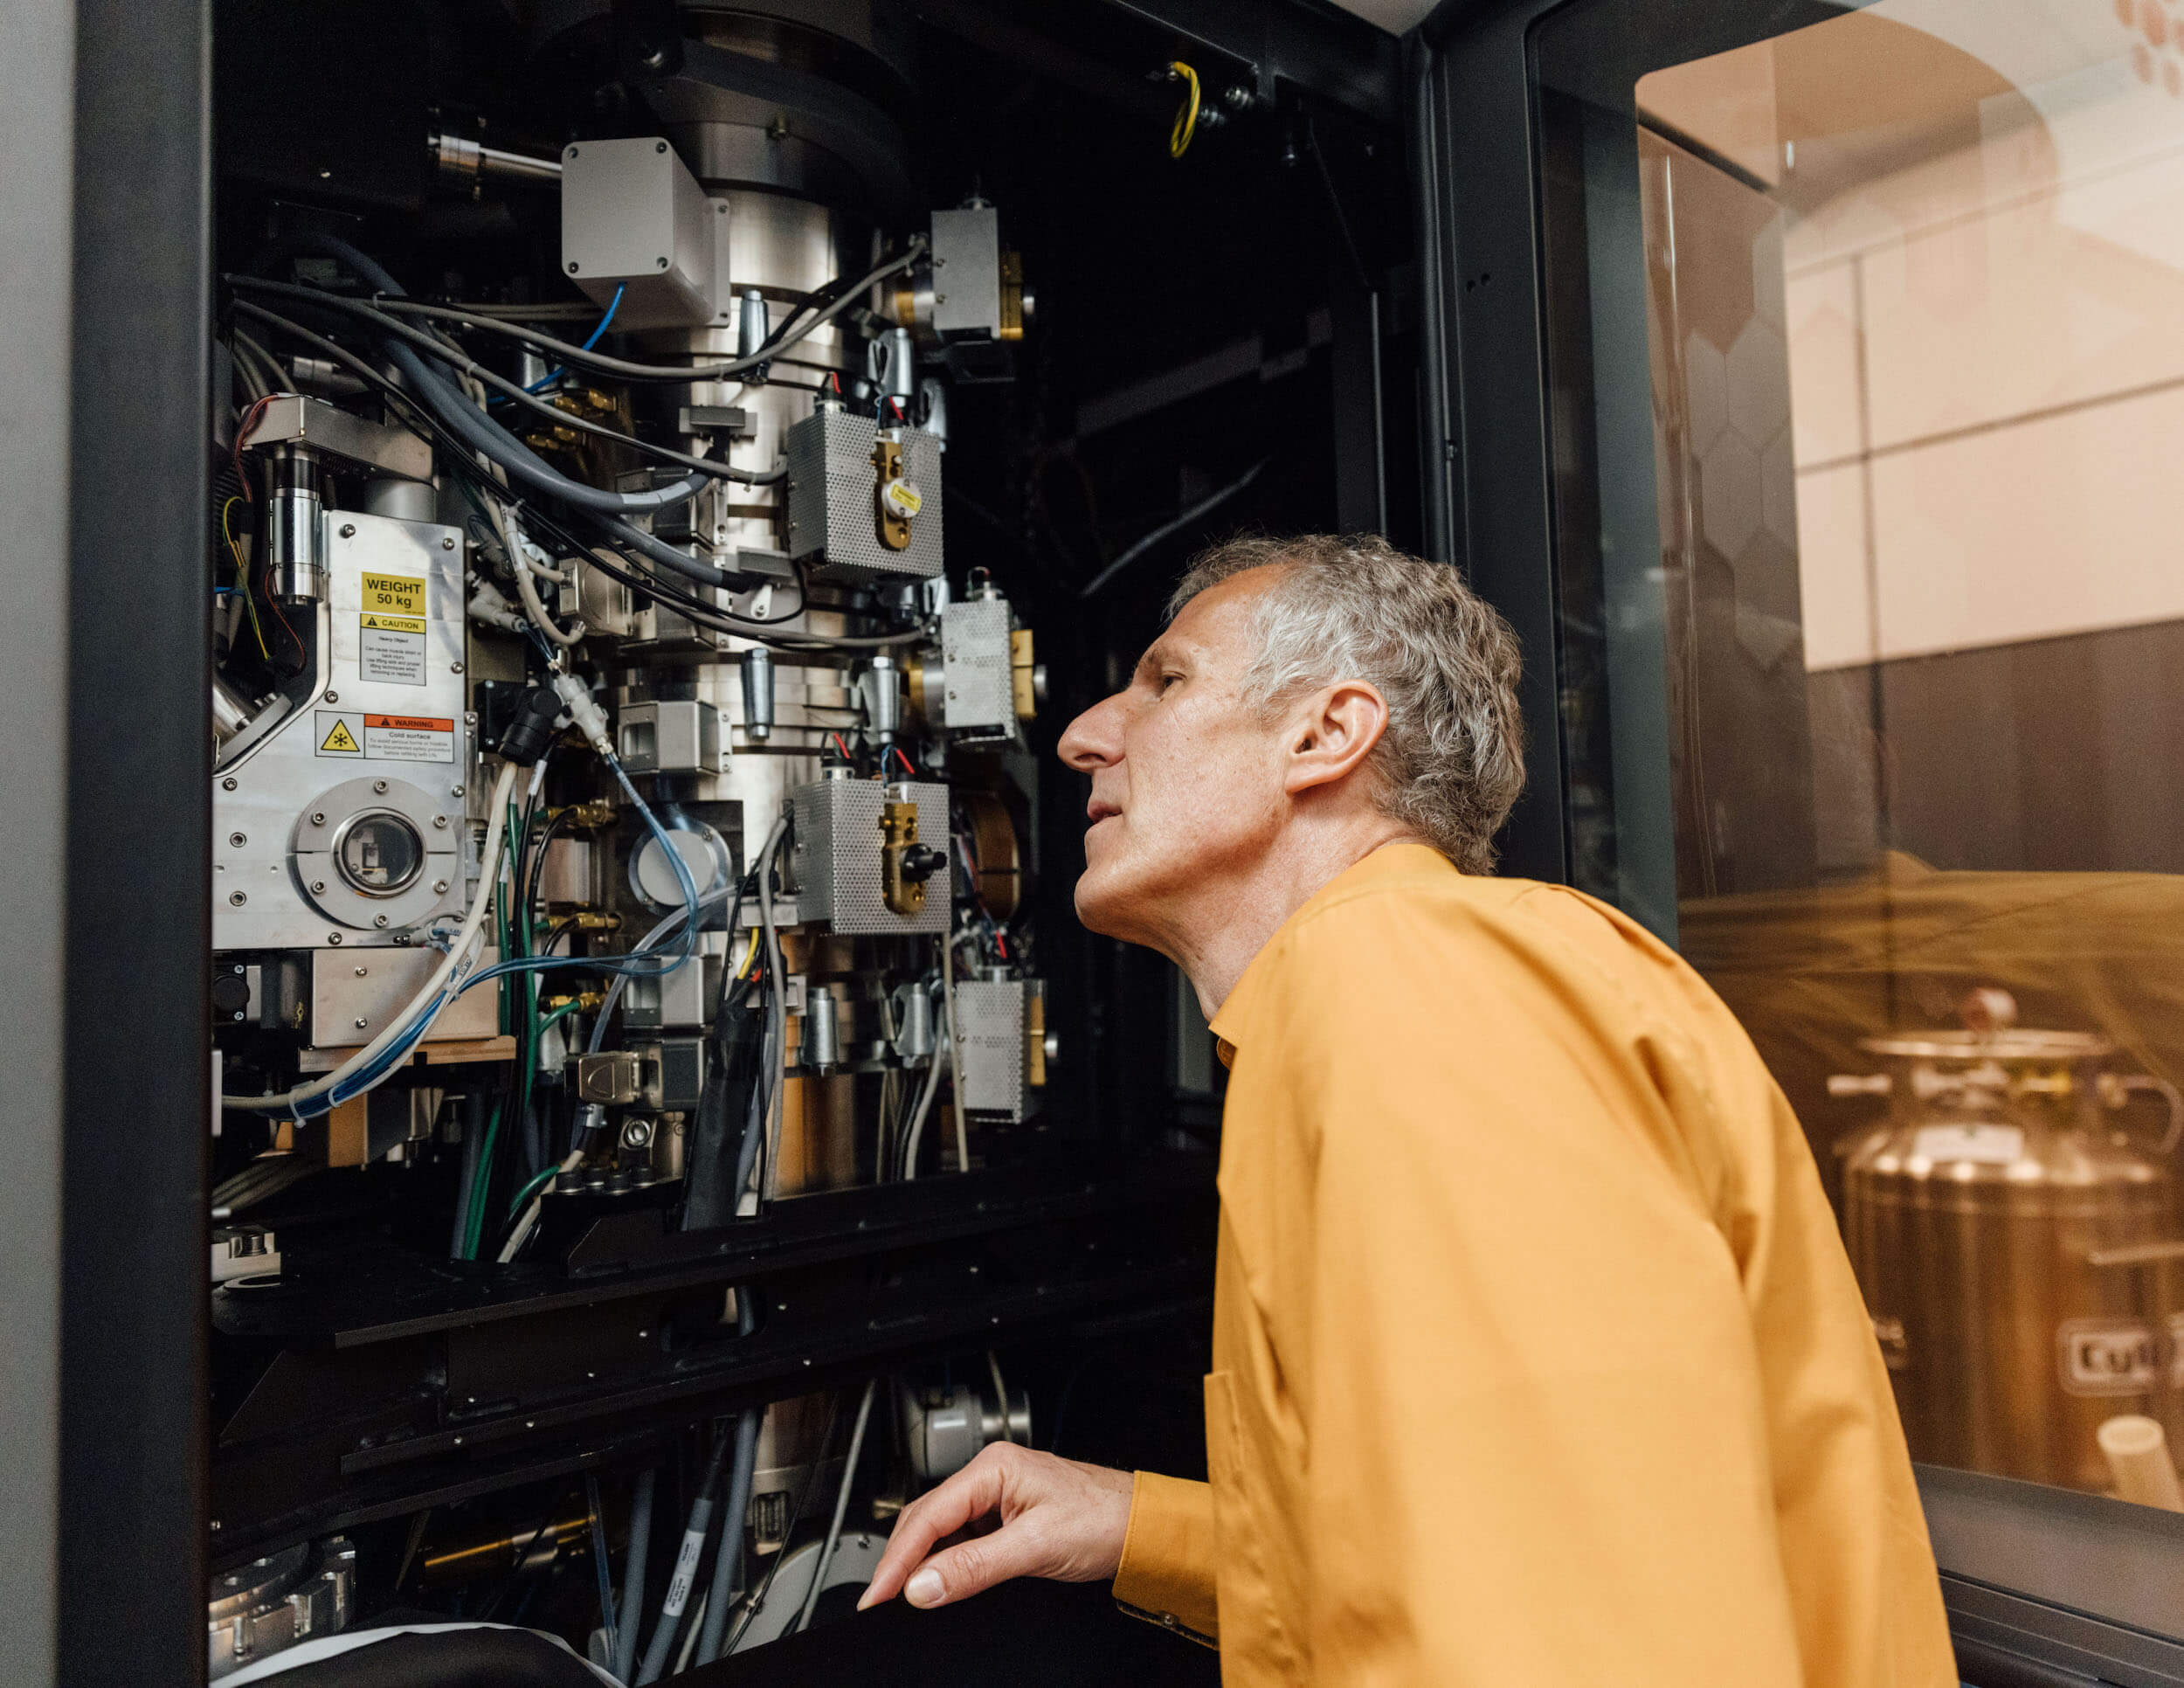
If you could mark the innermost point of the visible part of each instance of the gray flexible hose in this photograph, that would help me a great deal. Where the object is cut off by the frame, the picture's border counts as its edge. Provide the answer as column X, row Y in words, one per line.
column 630, row 1613
column 841, row 1508
column 678, row 1596
column 727, row 1566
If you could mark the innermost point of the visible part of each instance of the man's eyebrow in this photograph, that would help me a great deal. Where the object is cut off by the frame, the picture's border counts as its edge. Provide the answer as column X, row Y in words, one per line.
column 1160, row 651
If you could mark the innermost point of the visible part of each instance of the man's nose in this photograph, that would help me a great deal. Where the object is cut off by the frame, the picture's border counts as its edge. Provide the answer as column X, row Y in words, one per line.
column 1095, row 738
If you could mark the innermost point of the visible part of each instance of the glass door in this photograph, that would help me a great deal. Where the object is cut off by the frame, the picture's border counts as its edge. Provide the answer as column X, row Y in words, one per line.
column 1865, row 392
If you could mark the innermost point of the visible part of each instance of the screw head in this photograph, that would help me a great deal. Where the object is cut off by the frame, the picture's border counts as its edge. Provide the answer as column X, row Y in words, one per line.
column 317, row 886
column 378, row 920
column 447, row 542
column 457, row 791
column 228, row 784
column 334, row 938
column 237, row 840
column 237, row 968
column 439, row 885
column 318, row 817
column 659, row 146
column 239, row 898
column 362, row 1022
column 440, row 820
column 572, row 267
column 379, row 786
column 238, row 1014
column 333, row 697
column 349, row 530
column 659, row 263
column 454, row 667
column 361, row 972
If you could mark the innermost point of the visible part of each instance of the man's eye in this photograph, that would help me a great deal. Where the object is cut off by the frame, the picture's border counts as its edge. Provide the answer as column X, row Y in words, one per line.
column 1168, row 680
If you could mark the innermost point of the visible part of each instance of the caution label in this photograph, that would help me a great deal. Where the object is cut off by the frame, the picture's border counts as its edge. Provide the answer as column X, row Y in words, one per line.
column 391, row 649
column 337, row 732
column 409, row 737
column 392, row 594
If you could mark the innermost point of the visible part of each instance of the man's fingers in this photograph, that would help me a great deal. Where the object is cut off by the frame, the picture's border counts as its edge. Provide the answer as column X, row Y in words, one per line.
column 971, row 1494
column 970, row 1567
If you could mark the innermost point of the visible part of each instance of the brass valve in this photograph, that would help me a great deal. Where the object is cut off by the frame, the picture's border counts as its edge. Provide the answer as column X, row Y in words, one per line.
column 588, row 1002
column 905, row 864
column 588, row 817
column 894, row 499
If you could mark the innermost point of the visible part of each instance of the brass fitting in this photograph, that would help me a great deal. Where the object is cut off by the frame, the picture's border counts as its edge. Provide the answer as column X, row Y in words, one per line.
column 588, row 1002
column 898, row 836
column 587, row 817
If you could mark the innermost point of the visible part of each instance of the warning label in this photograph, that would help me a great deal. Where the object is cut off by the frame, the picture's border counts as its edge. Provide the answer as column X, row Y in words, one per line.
column 392, row 594
column 391, row 649
column 409, row 737
column 339, row 733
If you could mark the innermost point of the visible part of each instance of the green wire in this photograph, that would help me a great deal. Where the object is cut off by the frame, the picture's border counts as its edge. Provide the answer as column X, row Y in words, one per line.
column 554, row 1016
column 531, row 1189
column 474, row 1222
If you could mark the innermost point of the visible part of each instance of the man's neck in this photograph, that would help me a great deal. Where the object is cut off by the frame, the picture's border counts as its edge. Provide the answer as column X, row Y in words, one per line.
column 1227, row 928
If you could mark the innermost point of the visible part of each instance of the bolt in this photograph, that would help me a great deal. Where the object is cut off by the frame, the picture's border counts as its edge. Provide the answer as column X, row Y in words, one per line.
column 659, row 263
column 572, row 267
column 378, row 920
column 349, row 530
column 659, row 59
column 238, row 1014
column 361, row 972
column 440, row 820
column 571, row 153
column 238, row 898
column 237, row 968
column 439, row 885
column 454, row 667
column 317, row 886
column 362, row 1022
column 237, row 840
column 333, row 697
column 940, row 299
column 228, row 784
column 723, row 208
column 457, row 791
column 379, row 786
column 318, row 817
column 447, row 542
column 334, row 938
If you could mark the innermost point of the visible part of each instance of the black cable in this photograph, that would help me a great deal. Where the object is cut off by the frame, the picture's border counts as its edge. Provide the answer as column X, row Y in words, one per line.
column 765, row 1584
column 486, row 435
column 845, row 294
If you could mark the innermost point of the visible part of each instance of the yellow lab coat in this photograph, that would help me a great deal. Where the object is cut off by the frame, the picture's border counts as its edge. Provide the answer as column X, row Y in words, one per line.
column 1537, row 1357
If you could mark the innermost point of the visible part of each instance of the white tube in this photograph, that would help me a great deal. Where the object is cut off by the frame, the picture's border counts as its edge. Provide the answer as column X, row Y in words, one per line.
column 955, row 1055
column 2138, row 1455
column 841, row 1508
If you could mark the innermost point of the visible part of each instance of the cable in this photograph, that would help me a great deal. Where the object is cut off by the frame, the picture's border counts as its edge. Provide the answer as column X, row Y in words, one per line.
column 599, row 1561
column 955, row 1055
column 917, row 1132
column 778, row 1024
column 694, row 1535
column 633, row 1604
column 484, row 435
column 552, row 375
column 1186, row 117
column 1202, row 508
column 1000, row 1395
column 789, row 333
column 727, row 1567
column 841, row 1506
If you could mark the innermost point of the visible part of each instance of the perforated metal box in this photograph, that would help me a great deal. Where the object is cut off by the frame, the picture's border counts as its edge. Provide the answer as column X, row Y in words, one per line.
column 833, row 499
column 837, row 855
column 979, row 695
column 993, row 1046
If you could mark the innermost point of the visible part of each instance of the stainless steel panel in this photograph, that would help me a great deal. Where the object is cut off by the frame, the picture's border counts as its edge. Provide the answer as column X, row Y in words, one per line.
column 832, row 499
column 837, row 856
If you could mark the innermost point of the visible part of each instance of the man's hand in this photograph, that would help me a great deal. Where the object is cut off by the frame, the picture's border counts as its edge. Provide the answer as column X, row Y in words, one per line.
column 1058, row 1520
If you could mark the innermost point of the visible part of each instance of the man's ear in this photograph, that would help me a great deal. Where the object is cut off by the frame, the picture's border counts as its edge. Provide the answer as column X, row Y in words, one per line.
column 1333, row 734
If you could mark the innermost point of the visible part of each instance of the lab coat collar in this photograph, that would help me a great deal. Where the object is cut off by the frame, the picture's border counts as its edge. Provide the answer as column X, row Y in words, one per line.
column 1389, row 862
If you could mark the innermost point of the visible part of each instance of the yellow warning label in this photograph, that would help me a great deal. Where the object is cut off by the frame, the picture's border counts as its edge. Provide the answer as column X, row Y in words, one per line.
column 393, row 594
column 341, row 741
column 406, row 624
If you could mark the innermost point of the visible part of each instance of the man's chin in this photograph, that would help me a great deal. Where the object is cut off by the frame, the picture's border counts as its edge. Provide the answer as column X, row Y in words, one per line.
column 1103, row 905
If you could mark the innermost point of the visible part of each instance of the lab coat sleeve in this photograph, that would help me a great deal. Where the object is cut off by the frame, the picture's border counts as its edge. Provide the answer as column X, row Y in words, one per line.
column 1524, row 1369
column 1167, row 1569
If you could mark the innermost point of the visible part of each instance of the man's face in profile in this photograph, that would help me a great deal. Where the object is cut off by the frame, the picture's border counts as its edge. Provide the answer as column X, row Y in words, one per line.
column 1186, row 780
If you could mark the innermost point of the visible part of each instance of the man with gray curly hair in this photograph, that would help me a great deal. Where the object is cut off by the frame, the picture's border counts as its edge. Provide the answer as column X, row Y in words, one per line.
column 1537, row 1358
